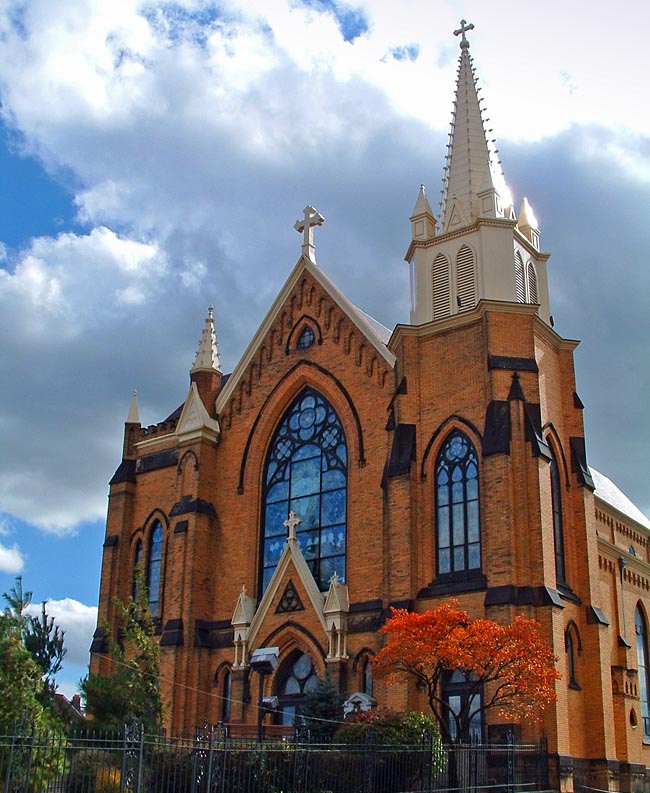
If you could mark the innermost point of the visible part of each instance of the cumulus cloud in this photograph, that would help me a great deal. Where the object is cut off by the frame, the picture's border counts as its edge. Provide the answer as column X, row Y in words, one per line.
column 78, row 621
column 11, row 559
column 193, row 135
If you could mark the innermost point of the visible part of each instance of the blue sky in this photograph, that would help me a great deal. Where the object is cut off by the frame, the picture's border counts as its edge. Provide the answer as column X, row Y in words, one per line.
column 154, row 157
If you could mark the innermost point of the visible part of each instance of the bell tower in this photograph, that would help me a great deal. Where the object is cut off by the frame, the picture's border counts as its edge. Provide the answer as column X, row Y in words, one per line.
column 477, row 249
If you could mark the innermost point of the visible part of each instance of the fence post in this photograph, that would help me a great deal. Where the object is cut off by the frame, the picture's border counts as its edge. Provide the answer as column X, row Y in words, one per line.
column 11, row 756
column 210, row 757
column 511, row 761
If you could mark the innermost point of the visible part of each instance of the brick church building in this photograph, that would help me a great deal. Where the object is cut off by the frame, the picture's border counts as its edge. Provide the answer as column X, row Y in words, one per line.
column 342, row 468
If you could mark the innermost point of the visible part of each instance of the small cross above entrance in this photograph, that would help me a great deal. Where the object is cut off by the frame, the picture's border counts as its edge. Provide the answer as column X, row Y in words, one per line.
column 291, row 522
column 464, row 27
column 306, row 228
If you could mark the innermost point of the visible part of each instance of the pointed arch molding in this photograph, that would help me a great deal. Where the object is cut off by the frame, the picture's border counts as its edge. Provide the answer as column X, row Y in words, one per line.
column 303, row 321
column 557, row 448
column 300, row 634
column 452, row 422
column 189, row 453
column 340, row 388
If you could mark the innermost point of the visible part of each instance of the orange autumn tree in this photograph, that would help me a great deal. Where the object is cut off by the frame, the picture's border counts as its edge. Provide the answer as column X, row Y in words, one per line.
column 507, row 668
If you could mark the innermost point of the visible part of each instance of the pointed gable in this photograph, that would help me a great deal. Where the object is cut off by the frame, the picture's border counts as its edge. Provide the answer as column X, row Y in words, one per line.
column 295, row 299
column 195, row 420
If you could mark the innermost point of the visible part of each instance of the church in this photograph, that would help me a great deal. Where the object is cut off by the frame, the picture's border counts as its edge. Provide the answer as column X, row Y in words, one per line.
column 342, row 469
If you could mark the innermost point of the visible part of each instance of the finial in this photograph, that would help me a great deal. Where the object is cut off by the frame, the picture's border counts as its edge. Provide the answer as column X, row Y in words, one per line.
column 306, row 228
column 133, row 417
column 207, row 355
column 464, row 27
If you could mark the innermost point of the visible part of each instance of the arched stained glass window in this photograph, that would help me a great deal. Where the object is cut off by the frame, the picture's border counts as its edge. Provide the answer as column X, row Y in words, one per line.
column 154, row 564
column 558, row 530
column 296, row 678
column 137, row 571
column 643, row 667
column 458, row 530
column 306, row 472
column 226, row 696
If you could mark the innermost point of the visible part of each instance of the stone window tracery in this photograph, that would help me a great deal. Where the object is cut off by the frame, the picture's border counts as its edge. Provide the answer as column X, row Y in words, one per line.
column 306, row 472
column 458, row 533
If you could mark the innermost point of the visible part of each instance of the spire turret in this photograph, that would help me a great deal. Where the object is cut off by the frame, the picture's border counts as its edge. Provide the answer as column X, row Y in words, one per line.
column 477, row 250
column 207, row 355
column 133, row 416
column 473, row 185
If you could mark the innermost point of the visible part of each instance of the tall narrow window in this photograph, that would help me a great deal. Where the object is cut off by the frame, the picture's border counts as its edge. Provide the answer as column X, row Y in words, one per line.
column 463, row 706
column 532, row 283
column 154, row 565
column 306, row 473
column 226, row 696
column 465, row 279
column 573, row 649
column 558, row 529
column 441, row 286
column 520, row 283
column 137, row 571
column 643, row 665
column 367, row 677
column 457, row 506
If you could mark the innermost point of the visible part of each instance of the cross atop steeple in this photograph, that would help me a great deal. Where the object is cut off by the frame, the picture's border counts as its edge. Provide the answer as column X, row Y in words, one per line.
column 306, row 228
column 464, row 27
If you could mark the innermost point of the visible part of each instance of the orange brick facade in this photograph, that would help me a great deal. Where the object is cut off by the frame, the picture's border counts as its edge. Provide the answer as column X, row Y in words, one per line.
column 480, row 362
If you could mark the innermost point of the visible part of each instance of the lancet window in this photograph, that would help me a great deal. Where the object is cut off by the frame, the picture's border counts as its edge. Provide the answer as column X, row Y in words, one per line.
column 154, row 566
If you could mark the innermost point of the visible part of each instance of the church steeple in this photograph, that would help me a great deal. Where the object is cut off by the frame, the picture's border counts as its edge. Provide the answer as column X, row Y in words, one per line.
column 474, row 185
column 477, row 250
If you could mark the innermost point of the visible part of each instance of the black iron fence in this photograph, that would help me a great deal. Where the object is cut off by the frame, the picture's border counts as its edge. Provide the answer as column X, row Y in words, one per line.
column 134, row 762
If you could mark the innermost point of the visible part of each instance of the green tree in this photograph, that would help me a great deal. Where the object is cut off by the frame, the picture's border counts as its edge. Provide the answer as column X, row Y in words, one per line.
column 130, row 690
column 44, row 640
column 20, row 675
column 322, row 709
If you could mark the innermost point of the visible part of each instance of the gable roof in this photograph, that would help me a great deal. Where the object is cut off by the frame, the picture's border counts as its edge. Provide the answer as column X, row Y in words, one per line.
column 608, row 492
column 372, row 330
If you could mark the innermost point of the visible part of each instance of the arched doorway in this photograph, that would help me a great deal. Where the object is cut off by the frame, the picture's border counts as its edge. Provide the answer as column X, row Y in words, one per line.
column 296, row 677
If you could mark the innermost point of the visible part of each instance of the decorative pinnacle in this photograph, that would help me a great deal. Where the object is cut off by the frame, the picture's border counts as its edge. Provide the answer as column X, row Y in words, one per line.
column 207, row 354
column 464, row 27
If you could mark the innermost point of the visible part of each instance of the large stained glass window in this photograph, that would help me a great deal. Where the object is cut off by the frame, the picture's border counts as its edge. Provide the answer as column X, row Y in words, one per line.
column 643, row 666
column 154, row 565
column 306, row 472
column 458, row 532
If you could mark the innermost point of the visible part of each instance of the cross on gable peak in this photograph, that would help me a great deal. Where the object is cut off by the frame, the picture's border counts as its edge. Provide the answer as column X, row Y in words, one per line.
column 291, row 523
column 464, row 28
column 305, row 226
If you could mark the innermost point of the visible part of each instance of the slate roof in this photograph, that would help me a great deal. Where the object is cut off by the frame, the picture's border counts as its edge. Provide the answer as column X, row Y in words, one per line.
column 607, row 491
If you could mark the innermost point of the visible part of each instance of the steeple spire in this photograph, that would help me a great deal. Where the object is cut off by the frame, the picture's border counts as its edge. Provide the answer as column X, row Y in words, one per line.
column 473, row 185
column 207, row 355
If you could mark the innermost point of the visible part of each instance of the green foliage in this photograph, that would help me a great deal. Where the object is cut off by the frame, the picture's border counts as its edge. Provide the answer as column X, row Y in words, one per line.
column 93, row 771
column 20, row 675
column 387, row 727
column 130, row 690
column 44, row 640
column 322, row 709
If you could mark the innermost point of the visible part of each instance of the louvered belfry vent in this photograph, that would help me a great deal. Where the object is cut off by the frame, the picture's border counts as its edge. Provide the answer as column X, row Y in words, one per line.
column 465, row 279
column 520, row 285
column 533, row 297
column 441, row 287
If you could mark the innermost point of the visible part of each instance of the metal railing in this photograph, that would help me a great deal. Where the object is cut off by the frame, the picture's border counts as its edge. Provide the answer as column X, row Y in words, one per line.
column 32, row 761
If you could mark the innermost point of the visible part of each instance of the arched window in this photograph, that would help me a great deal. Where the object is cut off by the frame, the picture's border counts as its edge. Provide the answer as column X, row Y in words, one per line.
column 367, row 677
column 463, row 706
column 154, row 564
column 520, row 283
column 457, row 507
column 558, row 530
column 573, row 648
column 441, row 287
column 643, row 666
column 137, row 572
column 306, row 472
column 306, row 339
column 532, row 283
column 226, row 696
column 465, row 279
column 295, row 678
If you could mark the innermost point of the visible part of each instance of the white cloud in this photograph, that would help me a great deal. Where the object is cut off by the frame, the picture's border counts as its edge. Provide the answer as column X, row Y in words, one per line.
column 11, row 559
column 78, row 621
